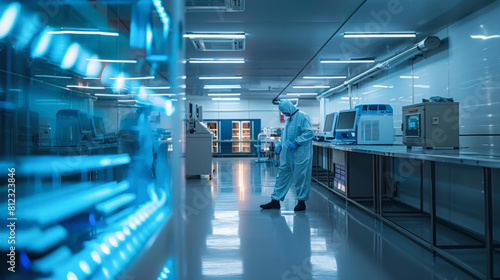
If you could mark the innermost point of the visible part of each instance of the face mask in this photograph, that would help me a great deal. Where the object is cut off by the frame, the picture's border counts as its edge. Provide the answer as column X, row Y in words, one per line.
column 286, row 114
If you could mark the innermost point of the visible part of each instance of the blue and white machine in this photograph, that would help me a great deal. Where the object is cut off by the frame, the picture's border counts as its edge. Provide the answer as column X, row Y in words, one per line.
column 367, row 124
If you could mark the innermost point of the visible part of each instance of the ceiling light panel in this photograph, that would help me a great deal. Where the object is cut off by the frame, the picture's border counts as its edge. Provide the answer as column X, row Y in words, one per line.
column 220, row 77
column 347, row 61
column 311, row 86
column 213, row 60
column 379, row 35
column 221, row 87
column 226, row 99
column 215, row 35
column 224, row 94
column 324, row 77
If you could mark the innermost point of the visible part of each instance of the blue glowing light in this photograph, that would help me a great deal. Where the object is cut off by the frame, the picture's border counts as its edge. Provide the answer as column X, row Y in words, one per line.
column 96, row 257
column 141, row 217
column 126, row 231
column 120, row 235
column 106, row 272
column 25, row 261
column 166, row 270
column 105, row 162
column 41, row 44
column 129, row 247
column 8, row 19
column 92, row 219
column 71, row 276
column 132, row 225
column 122, row 254
column 105, row 249
column 84, row 266
column 169, row 108
column 163, row 275
column 93, row 67
column 70, row 57
column 113, row 241
column 149, row 37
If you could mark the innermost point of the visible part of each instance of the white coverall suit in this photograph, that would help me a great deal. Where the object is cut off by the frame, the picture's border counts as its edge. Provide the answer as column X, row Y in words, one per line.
column 295, row 164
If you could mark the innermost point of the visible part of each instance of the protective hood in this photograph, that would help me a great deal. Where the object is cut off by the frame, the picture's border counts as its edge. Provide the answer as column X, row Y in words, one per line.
column 286, row 106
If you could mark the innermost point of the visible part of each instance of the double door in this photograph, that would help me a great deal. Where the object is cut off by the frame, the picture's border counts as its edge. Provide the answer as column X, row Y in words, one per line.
column 241, row 132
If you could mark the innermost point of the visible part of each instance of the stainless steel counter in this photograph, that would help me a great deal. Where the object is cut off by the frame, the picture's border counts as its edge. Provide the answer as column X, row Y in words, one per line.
column 487, row 157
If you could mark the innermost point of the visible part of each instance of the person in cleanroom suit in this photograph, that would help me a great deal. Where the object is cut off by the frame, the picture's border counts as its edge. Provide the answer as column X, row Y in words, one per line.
column 295, row 159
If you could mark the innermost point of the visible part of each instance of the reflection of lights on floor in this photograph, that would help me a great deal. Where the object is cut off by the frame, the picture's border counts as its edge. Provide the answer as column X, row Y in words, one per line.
column 241, row 181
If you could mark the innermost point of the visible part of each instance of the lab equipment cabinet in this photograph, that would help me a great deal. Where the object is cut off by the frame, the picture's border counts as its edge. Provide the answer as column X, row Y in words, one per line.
column 214, row 128
column 234, row 136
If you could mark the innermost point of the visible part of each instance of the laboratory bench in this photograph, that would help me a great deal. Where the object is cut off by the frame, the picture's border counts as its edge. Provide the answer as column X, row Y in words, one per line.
column 442, row 199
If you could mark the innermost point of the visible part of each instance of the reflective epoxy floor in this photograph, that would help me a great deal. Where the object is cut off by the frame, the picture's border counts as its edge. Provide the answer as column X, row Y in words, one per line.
column 229, row 237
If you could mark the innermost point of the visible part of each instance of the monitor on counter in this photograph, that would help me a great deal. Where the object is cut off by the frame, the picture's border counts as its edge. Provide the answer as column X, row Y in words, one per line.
column 347, row 120
column 330, row 120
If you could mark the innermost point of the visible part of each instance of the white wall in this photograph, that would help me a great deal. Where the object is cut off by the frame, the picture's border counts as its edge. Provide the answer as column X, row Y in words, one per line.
column 262, row 109
column 466, row 69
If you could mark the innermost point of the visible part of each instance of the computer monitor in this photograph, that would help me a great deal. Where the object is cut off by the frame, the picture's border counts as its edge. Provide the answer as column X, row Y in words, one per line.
column 346, row 125
column 347, row 120
column 329, row 123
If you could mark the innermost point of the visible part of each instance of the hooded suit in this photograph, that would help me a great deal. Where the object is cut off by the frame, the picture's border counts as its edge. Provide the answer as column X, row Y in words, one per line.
column 295, row 164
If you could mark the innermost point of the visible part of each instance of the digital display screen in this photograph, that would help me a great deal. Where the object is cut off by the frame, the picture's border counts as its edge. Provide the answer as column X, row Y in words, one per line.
column 347, row 120
column 412, row 125
column 329, row 122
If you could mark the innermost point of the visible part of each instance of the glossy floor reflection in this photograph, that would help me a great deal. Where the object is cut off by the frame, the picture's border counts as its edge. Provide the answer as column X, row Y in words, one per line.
column 229, row 237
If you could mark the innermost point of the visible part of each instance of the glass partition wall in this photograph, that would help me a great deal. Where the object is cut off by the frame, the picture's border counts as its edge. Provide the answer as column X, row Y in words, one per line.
column 90, row 121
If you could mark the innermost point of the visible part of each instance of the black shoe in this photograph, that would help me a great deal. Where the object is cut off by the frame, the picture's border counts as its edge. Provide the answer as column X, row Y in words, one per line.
column 301, row 206
column 274, row 204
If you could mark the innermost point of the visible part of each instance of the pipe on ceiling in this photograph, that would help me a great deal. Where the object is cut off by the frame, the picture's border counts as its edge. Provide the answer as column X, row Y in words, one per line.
column 429, row 43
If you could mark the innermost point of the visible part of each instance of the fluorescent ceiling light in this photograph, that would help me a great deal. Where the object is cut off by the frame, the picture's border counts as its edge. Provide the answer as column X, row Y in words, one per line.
column 87, row 87
column 484, row 37
column 324, row 77
column 348, row 61
column 157, row 94
column 311, row 86
column 379, row 35
column 382, row 86
column 220, row 78
column 134, row 78
column 53, row 77
column 110, row 95
column 221, row 86
column 167, row 87
column 84, row 32
column 299, row 94
column 422, row 86
column 224, row 94
column 184, row 77
column 409, row 77
column 127, row 100
column 112, row 60
column 220, row 60
column 215, row 35
column 90, row 78
column 226, row 99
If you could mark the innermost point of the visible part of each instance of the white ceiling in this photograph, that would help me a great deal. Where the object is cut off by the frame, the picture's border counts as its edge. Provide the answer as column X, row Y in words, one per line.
column 287, row 38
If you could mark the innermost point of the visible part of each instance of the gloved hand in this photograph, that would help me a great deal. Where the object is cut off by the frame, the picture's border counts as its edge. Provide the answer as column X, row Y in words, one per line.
column 277, row 149
column 293, row 146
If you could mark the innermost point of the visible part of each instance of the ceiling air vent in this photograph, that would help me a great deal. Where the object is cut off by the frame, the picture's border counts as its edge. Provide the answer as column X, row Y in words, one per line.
column 215, row 5
column 205, row 45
